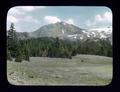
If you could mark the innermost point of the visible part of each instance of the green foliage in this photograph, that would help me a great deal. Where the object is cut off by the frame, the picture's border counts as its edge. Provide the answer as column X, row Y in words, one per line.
column 15, row 47
column 53, row 47
column 12, row 41
column 18, row 59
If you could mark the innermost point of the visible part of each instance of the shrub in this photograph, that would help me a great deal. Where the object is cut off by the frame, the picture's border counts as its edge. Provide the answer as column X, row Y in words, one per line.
column 82, row 60
column 70, row 57
column 18, row 59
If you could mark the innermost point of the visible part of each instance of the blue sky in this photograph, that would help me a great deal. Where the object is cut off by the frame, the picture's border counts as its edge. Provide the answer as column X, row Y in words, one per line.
column 30, row 18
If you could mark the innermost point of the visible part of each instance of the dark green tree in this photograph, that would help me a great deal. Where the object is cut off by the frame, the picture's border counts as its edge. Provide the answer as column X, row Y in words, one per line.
column 12, row 41
column 13, row 45
column 27, row 53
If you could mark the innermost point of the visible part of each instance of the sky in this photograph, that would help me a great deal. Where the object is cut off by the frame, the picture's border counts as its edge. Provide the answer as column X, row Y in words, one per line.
column 31, row 18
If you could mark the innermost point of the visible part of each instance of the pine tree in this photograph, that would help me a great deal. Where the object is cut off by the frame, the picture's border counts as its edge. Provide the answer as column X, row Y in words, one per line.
column 57, row 42
column 13, row 44
column 12, row 41
column 27, row 53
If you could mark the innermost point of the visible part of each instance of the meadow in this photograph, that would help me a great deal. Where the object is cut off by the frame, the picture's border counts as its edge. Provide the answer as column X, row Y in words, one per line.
column 88, row 70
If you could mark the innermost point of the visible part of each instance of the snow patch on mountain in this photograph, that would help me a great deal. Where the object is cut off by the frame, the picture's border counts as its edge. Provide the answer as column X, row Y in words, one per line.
column 64, row 23
column 63, row 31
column 106, row 30
column 81, row 38
column 99, row 32
column 75, row 37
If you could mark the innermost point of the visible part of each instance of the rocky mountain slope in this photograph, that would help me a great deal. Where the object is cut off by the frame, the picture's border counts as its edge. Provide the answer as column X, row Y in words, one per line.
column 59, row 29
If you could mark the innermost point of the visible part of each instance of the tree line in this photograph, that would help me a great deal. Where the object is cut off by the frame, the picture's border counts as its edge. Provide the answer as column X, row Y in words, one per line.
column 53, row 47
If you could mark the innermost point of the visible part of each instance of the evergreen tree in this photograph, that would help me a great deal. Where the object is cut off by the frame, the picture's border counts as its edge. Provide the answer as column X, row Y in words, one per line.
column 55, row 47
column 57, row 42
column 12, row 41
column 27, row 53
column 13, row 45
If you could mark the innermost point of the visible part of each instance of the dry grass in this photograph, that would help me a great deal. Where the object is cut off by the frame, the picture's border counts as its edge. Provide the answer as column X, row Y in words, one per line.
column 94, row 70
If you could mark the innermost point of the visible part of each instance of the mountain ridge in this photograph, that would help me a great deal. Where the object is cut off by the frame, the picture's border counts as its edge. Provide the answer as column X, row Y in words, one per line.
column 64, row 30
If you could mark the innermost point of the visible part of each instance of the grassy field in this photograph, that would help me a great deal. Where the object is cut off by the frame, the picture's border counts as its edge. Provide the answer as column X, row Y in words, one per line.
column 93, row 70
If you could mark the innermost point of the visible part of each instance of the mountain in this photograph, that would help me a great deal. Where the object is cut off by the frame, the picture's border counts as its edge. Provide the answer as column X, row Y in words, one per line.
column 59, row 29
column 69, row 31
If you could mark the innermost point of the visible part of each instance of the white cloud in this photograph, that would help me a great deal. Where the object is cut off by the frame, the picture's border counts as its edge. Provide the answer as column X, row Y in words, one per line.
column 30, row 19
column 22, row 23
column 100, row 19
column 70, row 21
column 41, row 7
column 31, row 8
column 51, row 19
column 12, row 19
column 55, row 19
column 21, row 10
column 15, row 11
column 106, row 17
column 22, row 19
column 27, row 8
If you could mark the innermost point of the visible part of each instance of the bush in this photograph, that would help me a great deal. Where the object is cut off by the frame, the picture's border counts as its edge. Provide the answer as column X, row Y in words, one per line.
column 70, row 57
column 18, row 59
column 82, row 60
